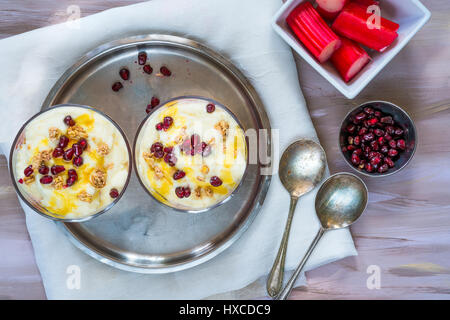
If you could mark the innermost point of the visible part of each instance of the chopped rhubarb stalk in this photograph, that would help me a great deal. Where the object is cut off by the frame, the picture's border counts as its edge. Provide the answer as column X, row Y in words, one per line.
column 352, row 23
column 313, row 32
column 329, row 9
column 349, row 59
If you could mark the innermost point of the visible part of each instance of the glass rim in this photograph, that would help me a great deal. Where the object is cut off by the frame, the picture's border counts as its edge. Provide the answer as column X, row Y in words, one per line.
column 91, row 216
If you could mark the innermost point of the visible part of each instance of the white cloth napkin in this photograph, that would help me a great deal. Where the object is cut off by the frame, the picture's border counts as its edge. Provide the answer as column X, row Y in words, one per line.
column 30, row 64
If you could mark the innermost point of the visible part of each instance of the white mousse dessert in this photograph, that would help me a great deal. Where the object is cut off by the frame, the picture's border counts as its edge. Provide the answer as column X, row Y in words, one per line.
column 191, row 154
column 73, row 161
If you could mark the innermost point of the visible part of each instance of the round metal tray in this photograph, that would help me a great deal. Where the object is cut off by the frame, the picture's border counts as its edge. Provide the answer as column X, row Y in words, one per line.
column 139, row 234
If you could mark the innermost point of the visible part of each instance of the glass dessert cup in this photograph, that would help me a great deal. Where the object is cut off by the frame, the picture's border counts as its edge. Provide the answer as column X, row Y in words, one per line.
column 178, row 160
column 40, row 194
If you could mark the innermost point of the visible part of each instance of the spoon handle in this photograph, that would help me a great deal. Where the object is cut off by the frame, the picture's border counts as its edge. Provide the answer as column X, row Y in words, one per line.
column 275, row 280
column 287, row 290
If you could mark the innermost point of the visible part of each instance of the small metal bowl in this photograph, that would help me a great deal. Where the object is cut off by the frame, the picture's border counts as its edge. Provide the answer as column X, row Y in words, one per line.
column 33, row 203
column 401, row 118
column 155, row 194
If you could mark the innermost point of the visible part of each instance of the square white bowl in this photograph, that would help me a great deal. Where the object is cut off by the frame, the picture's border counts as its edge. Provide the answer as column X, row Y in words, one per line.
column 411, row 15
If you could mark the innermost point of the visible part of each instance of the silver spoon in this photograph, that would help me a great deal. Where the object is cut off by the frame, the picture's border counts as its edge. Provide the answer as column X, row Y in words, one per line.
column 302, row 167
column 340, row 201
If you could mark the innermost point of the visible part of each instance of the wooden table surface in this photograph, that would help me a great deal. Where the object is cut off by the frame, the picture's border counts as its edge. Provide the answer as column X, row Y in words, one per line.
column 406, row 229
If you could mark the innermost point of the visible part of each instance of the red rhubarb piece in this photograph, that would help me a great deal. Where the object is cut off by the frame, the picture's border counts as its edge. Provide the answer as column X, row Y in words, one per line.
column 329, row 9
column 352, row 23
column 349, row 59
column 313, row 32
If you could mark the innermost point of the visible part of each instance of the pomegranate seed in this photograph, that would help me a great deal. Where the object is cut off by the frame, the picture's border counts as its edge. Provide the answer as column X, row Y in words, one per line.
column 368, row 137
column 215, row 181
column 393, row 144
column 117, row 86
column 58, row 152
column 375, row 160
column 63, row 142
column 381, row 141
column 142, row 58
column 369, row 110
column 362, row 131
column 77, row 149
column 28, row 171
column 375, row 146
column 398, row 131
column 114, row 193
column 69, row 121
column 210, row 108
column 46, row 179
column 71, row 180
column 157, row 146
column 351, row 148
column 387, row 137
column 378, row 132
column 83, row 143
column 387, row 120
column 360, row 116
column 43, row 169
column 383, row 168
column 154, row 101
column 77, row 161
column 20, row 180
column 369, row 167
column 72, row 173
column 187, row 192
column 159, row 154
column 389, row 162
column 371, row 122
column 159, row 126
column 149, row 108
column 377, row 113
column 68, row 154
column 392, row 153
column 170, row 159
column 179, row 174
column 384, row 149
column 168, row 149
column 390, row 130
column 148, row 69
column 179, row 191
column 124, row 73
column 355, row 159
column 350, row 140
column 401, row 144
column 357, row 141
column 167, row 122
column 57, row 169
column 165, row 71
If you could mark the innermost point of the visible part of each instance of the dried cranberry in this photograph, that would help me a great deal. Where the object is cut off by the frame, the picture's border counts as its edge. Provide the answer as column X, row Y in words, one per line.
column 28, row 171
column 215, row 181
column 56, row 169
column 124, row 73
column 77, row 149
column 148, row 69
column 401, row 144
column 142, row 58
column 392, row 153
column 117, row 86
column 46, row 179
column 179, row 191
column 58, row 152
column 43, row 169
column 68, row 154
column 211, row 107
column 179, row 174
column 69, row 121
column 159, row 126
column 71, row 180
column 165, row 71
column 83, row 143
column 63, row 142
column 114, row 193
column 77, row 161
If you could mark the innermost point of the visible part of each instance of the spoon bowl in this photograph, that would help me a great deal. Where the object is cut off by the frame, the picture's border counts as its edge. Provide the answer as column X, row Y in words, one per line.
column 340, row 201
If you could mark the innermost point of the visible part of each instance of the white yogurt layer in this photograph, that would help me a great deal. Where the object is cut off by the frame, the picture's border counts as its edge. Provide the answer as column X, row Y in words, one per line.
column 227, row 159
column 106, row 152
